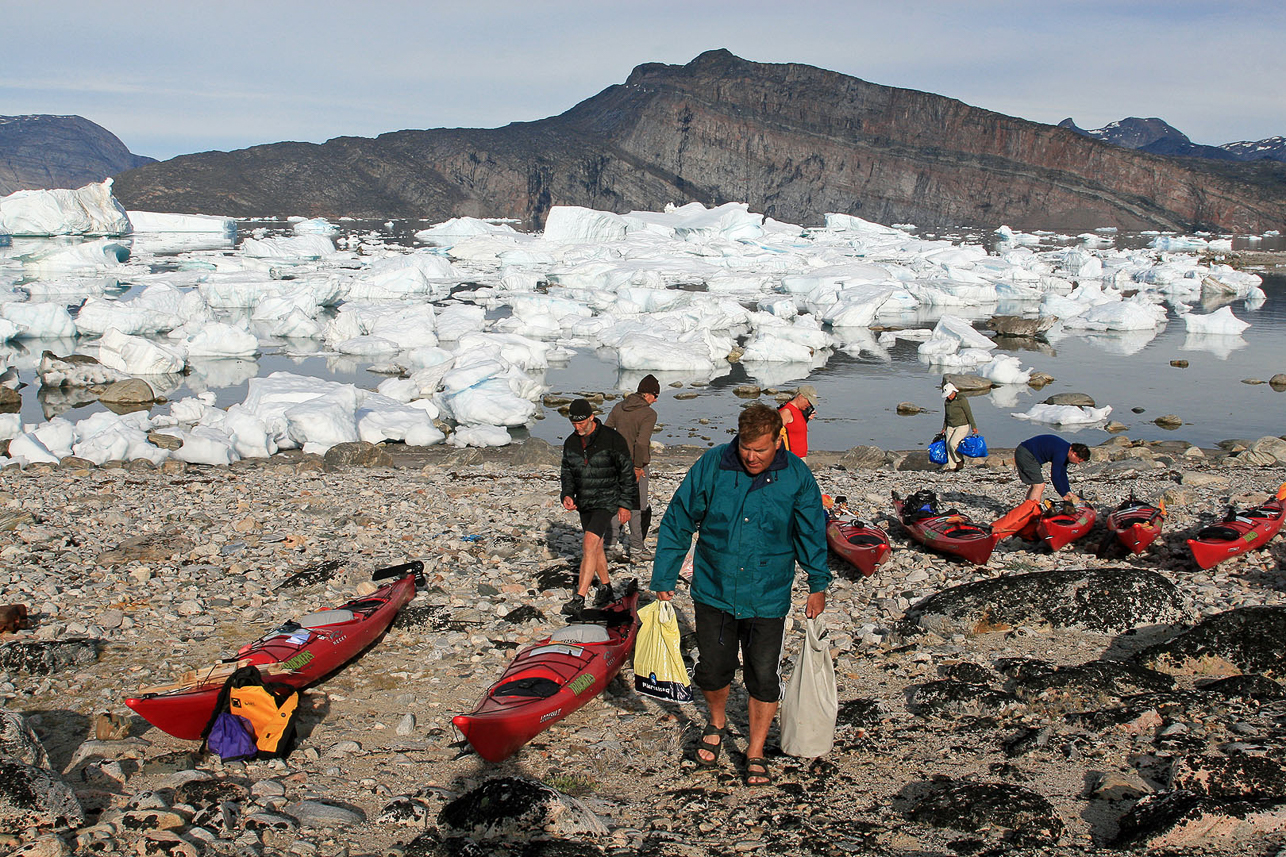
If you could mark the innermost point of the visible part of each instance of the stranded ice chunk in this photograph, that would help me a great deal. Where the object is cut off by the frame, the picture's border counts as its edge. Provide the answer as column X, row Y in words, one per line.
column 1065, row 415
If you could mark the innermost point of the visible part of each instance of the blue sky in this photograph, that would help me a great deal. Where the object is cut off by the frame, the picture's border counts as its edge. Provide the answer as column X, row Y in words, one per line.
column 176, row 77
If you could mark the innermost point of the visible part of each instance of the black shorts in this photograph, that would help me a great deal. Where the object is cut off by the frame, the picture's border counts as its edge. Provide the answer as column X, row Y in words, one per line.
column 596, row 521
column 720, row 636
column 1029, row 470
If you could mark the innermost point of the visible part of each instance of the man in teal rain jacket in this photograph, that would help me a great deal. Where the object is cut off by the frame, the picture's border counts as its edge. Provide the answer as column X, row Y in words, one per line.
column 758, row 511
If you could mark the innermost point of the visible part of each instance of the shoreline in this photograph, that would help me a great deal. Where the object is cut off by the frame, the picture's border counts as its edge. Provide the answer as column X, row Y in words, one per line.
column 169, row 568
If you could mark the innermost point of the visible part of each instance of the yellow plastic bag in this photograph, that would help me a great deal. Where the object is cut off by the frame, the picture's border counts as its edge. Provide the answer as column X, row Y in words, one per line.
column 658, row 667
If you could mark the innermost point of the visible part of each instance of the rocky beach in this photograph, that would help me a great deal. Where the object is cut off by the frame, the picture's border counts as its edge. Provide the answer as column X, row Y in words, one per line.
column 1043, row 703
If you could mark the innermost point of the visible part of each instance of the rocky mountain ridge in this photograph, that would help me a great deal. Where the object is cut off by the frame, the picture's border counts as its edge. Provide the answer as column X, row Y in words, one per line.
column 39, row 152
column 1158, row 137
column 793, row 141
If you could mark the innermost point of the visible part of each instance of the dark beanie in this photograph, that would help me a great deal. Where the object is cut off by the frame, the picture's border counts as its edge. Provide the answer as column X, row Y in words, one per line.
column 649, row 384
column 580, row 409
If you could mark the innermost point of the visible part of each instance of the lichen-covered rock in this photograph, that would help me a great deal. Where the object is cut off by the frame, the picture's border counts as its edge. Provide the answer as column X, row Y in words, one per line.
column 951, row 699
column 35, row 797
column 210, row 793
column 1016, row 325
column 1186, row 822
column 1024, row 817
column 39, row 657
column 1095, row 684
column 1080, row 400
column 357, row 454
column 863, row 458
column 1246, row 640
column 1107, row 600
column 18, row 742
column 1249, row 686
column 431, row 844
column 1230, row 777
column 967, row 383
column 514, row 807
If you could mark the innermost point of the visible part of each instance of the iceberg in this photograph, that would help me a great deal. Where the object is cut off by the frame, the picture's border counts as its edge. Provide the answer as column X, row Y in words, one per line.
column 135, row 355
column 154, row 221
column 1221, row 322
column 296, row 248
column 566, row 223
column 90, row 210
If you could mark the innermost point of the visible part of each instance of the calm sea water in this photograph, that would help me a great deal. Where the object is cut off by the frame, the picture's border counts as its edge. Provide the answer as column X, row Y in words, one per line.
column 860, row 394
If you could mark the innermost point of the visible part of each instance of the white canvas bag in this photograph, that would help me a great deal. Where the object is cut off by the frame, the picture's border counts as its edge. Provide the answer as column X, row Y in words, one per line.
column 810, row 703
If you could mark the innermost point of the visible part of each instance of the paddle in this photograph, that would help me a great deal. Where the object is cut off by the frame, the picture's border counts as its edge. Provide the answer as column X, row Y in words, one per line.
column 399, row 570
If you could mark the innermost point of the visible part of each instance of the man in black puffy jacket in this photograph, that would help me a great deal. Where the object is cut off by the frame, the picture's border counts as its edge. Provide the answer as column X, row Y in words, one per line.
column 598, row 481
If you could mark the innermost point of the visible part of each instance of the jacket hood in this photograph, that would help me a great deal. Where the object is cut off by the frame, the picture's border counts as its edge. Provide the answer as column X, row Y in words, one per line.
column 634, row 402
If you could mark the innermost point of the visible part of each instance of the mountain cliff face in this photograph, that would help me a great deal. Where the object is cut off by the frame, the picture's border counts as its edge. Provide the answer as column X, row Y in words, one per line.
column 793, row 141
column 42, row 152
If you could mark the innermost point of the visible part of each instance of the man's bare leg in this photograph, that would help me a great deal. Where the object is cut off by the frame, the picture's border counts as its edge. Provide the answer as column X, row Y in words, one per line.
column 592, row 562
column 761, row 715
column 717, row 702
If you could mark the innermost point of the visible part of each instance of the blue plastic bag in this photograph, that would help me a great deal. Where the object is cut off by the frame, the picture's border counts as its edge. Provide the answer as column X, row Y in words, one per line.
column 973, row 446
column 938, row 452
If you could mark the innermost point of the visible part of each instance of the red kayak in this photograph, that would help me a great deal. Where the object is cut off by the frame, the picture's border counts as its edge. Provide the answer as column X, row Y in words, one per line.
column 1058, row 527
column 1135, row 524
column 550, row 679
column 1239, row 532
column 298, row 653
column 862, row 544
column 949, row 532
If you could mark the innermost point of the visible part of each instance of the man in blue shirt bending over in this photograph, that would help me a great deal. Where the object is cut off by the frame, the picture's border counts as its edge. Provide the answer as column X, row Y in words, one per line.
column 1035, row 452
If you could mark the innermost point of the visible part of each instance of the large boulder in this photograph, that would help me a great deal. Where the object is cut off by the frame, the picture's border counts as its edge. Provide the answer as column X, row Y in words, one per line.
column 1021, row 816
column 1266, row 452
column 31, row 796
column 515, row 808
column 1111, row 600
column 1015, row 325
column 1245, row 640
column 1187, row 823
column 18, row 743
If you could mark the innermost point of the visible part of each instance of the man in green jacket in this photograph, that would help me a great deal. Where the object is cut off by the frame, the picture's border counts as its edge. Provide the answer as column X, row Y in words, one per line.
column 758, row 511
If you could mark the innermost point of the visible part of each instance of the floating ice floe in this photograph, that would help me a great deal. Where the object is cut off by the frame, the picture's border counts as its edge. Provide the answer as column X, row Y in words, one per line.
column 456, row 229
column 1065, row 415
column 1220, row 322
column 153, row 221
column 469, row 325
column 313, row 226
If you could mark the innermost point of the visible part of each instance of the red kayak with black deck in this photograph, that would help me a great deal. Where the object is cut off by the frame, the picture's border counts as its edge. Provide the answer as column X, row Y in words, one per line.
column 297, row 653
column 552, row 678
column 948, row 532
column 1060, row 526
column 1239, row 532
column 863, row 544
column 1135, row 524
